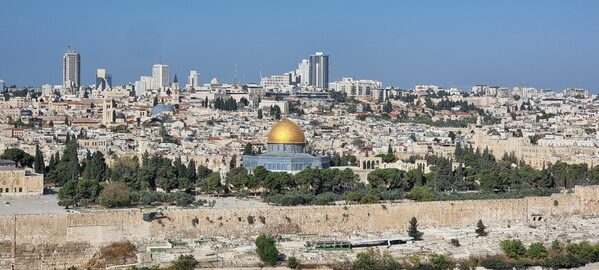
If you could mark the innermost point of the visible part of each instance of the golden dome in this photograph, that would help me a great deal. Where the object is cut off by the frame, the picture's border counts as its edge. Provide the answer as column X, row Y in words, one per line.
column 286, row 131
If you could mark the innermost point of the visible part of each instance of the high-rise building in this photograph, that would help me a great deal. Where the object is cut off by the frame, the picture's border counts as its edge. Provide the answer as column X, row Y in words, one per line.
column 319, row 70
column 103, row 79
column 1, row 85
column 193, row 81
column 159, row 76
column 141, row 86
column 303, row 70
column 71, row 69
column 47, row 90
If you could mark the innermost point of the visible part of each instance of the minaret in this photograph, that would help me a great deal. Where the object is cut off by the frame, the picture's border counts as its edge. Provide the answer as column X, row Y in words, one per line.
column 176, row 92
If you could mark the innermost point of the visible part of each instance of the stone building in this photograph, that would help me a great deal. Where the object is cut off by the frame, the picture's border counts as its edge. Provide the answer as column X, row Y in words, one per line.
column 17, row 181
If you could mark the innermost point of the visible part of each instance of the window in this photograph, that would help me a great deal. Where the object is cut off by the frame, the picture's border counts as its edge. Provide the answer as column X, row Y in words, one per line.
column 20, row 189
column 6, row 189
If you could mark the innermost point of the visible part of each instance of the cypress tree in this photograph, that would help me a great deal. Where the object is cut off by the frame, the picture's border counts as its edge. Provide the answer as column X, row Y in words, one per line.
column 413, row 230
column 481, row 228
column 38, row 165
column 190, row 171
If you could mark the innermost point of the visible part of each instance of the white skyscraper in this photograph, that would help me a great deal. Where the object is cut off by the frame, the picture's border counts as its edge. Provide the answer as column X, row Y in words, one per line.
column 193, row 81
column 303, row 70
column 159, row 76
column 71, row 69
column 144, row 83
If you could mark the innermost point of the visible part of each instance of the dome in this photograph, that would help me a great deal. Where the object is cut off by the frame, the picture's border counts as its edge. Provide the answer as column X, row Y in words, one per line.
column 162, row 108
column 286, row 131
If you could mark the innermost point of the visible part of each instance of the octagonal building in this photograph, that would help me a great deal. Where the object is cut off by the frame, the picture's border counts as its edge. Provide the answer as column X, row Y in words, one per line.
column 286, row 151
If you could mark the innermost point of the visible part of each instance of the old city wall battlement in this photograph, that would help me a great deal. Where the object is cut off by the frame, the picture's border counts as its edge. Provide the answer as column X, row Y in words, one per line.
column 55, row 241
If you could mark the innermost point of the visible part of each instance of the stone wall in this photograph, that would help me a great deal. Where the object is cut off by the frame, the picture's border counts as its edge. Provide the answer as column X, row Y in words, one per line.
column 57, row 241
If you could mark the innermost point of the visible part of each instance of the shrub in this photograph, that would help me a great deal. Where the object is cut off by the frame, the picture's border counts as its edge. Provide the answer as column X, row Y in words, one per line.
column 290, row 199
column 514, row 249
column 584, row 251
column 326, row 198
column 439, row 261
column 536, row 251
column 563, row 261
column 421, row 194
column 374, row 259
column 392, row 195
column 353, row 196
column 293, row 262
column 495, row 263
column 184, row 262
column 266, row 249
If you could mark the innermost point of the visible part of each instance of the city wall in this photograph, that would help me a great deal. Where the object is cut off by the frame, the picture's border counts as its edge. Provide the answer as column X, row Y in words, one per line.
column 57, row 241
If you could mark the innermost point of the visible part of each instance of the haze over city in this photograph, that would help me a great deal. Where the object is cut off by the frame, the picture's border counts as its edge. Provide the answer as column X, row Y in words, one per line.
column 543, row 44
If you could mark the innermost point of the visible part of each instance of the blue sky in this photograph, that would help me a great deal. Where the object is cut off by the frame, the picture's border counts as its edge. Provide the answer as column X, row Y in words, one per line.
column 546, row 44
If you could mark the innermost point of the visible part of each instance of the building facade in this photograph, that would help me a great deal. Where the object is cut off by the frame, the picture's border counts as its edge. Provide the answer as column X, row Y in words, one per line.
column 71, row 69
column 103, row 79
column 319, row 70
column 159, row 76
column 193, row 81
column 17, row 181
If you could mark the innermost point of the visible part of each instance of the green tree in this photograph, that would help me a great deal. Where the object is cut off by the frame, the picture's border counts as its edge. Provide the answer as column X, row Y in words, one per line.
column 38, row 164
column 95, row 167
column 260, row 114
column 413, row 229
column 247, row 149
column 213, row 183
column 115, row 194
column 127, row 170
column 276, row 112
column 166, row 178
column 238, row 178
column 88, row 189
column 481, row 228
column 20, row 157
column 68, row 193
column 203, row 172
column 190, row 171
column 514, row 249
column 267, row 249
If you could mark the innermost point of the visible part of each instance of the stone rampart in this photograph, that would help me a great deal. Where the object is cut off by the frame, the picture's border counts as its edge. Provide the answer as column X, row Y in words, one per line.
column 57, row 241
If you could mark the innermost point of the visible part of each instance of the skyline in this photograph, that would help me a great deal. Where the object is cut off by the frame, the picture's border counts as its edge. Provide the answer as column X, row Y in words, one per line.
column 401, row 44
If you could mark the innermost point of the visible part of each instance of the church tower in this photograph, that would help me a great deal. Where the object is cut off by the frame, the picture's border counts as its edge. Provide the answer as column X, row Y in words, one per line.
column 176, row 91
column 107, row 112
